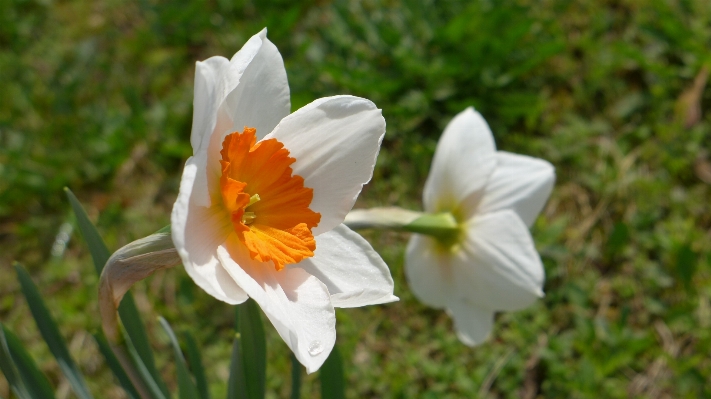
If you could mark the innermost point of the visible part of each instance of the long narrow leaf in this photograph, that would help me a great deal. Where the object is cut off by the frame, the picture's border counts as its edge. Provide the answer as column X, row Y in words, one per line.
column 127, row 310
column 153, row 387
column 7, row 365
column 115, row 366
column 36, row 383
column 136, row 330
column 333, row 385
column 295, row 377
column 195, row 363
column 50, row 332
column 236, row 385
column 186, row 386
column 99, row 252
column 254, row 348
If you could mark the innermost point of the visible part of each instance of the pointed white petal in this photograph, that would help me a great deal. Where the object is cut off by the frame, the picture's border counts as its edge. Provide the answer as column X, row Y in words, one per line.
column 215, row 79
column 473, row 325
column 520, row 183
column 208, row 74
column 429, row 271
column 297, row 303
column 250, row 90
column 209, row 183
column 497, row 266
column 463, row 161
column 335, row 141
column 261, row 100
column 197, row 232
column 353, row 272
column 199, row 194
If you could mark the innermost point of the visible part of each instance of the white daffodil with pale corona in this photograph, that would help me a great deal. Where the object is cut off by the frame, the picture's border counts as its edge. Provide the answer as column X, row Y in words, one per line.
column 489, row 263
column 262, row 198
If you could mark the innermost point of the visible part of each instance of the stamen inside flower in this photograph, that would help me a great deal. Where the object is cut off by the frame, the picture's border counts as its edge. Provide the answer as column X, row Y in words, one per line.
column 269, row 207
column 248, row 217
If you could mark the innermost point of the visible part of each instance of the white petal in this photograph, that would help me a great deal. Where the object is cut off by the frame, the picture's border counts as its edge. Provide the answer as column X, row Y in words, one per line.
column 497, row 266
column 520, row 183
column 463, row 161
column 297, row 303
column 197, row 232
column 261, row 100
column 335, row 141
column 215, row 79
column 473, row 325
column 353, row 272
column 429, row 271
column 251, row 90
column 205, row 99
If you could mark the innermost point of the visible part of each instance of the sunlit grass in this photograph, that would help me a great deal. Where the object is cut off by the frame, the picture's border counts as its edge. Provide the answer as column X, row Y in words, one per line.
column 97, row 96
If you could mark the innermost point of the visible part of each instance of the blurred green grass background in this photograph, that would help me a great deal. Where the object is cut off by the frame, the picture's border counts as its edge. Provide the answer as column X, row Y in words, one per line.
column 97, row 96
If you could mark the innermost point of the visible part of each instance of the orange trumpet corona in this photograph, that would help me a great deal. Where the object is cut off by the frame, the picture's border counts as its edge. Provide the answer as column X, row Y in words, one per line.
column 268, row 206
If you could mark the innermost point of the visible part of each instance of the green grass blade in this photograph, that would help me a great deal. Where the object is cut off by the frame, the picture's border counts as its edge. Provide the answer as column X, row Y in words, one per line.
column 7, row 366
column 130, row 317
column 150, row 382
column 136, row 330
column 236, row 385
column 186, row 386
column 36, row 383
column 50, row 332
column 686, row 260
column 115, row 366
column 99, row 252
column 295, row 377
column 195, row 363
column 333, row 384
column 253, row 347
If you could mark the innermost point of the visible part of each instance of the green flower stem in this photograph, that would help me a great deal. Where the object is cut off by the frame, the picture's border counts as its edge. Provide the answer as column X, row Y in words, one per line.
column 385, row 218
column 295, row 378
column 442, row 226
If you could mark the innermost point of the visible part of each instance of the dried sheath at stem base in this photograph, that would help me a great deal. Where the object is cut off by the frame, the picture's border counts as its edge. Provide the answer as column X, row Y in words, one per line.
column 128, row 265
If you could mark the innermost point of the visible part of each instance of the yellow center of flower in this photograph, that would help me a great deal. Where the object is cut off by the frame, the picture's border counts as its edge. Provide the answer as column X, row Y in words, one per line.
column 269, row 207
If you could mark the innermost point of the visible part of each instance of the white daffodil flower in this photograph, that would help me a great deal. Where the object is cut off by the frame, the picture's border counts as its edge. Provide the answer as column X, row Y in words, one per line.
column 489, row 263
column 262, row 199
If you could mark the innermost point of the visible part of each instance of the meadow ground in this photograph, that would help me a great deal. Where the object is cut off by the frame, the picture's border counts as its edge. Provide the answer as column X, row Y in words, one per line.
column 97, row 96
